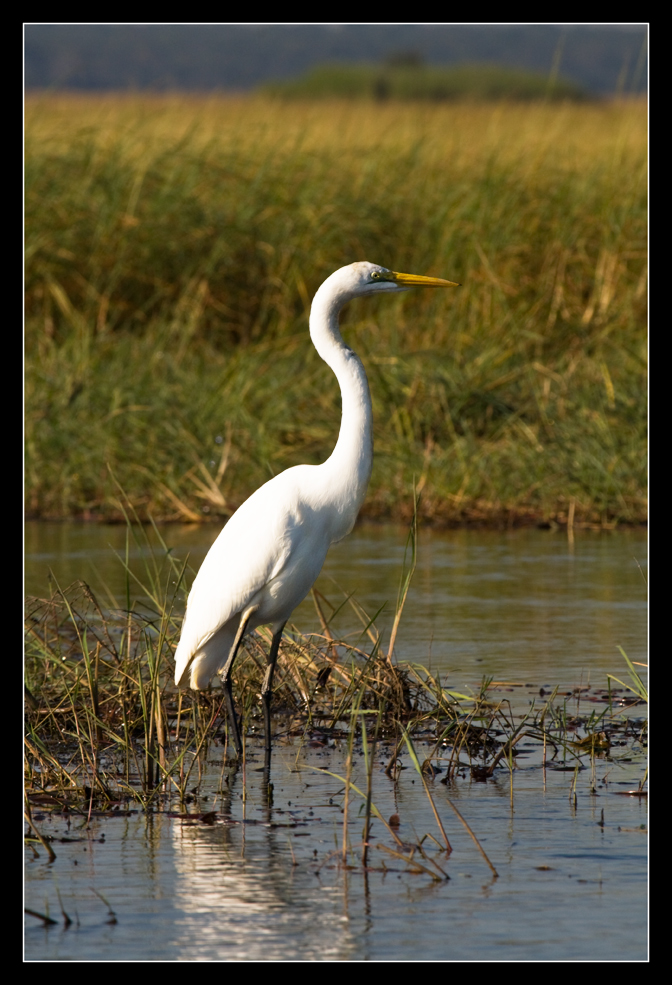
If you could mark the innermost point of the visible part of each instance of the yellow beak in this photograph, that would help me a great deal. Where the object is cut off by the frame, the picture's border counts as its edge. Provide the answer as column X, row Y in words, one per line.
column 418, row 280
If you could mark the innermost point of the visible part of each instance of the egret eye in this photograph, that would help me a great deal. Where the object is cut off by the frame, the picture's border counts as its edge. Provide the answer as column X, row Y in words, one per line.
column 375, row 275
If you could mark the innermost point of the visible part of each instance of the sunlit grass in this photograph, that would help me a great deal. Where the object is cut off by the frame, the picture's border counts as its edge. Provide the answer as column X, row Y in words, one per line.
column 174, row 243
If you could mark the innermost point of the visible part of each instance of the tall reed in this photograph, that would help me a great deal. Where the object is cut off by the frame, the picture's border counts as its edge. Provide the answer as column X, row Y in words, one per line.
column 172, row 249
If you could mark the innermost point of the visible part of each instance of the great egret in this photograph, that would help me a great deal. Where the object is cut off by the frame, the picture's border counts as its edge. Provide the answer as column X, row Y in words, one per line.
column 270, row 552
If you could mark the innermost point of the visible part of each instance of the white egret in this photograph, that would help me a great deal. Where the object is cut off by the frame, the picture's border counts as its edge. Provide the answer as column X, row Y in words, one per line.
column 270, row 552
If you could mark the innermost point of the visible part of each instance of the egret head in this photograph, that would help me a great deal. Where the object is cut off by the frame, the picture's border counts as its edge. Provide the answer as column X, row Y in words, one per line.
column 362, row 278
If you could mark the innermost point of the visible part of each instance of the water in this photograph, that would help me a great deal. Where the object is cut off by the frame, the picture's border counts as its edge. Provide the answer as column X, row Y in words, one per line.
column 266, row 886
column 522, row 606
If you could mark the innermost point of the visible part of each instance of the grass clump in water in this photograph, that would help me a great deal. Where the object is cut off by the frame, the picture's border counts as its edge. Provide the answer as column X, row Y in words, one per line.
column 107, row 731
column 105, row 725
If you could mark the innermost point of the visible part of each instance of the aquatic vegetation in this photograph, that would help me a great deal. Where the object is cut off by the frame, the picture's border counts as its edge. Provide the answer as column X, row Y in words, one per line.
column 107, row 731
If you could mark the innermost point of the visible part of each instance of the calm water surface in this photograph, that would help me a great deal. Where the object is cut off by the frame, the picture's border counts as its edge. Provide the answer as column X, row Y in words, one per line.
column 264, row 885
column 521, row 606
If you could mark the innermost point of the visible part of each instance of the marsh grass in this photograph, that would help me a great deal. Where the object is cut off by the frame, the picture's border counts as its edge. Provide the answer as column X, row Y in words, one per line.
column 172, row 249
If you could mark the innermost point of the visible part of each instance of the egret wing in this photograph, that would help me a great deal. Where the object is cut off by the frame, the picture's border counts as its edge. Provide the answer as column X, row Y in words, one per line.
column 253, row 549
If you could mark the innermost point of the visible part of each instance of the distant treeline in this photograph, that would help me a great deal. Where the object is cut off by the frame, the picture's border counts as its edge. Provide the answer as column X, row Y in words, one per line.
column 407, row 78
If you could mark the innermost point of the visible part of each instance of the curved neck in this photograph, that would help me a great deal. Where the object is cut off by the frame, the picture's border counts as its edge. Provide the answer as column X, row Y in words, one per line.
column 349, row 466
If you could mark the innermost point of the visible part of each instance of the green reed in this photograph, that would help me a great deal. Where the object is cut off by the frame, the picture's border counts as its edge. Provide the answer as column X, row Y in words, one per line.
column 173, row 246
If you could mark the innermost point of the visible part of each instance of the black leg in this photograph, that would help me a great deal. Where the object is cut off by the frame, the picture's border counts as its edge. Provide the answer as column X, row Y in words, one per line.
column 226, row 679
column 231, row 718
column 267, row 690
